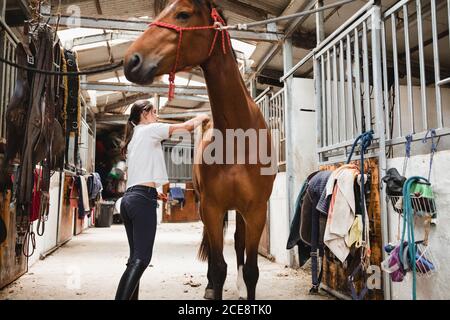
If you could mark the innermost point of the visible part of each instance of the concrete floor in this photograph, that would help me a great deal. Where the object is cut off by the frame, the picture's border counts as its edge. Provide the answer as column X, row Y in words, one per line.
column 90, row 266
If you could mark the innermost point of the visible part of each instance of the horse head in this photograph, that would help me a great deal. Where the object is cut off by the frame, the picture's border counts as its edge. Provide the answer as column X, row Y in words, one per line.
column 176, row 41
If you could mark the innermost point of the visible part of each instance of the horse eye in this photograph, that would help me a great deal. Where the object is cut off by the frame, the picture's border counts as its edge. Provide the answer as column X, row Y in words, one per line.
column 183, row 16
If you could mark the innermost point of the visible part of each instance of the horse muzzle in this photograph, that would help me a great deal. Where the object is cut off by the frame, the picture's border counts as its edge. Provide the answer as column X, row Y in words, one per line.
column 138, row 71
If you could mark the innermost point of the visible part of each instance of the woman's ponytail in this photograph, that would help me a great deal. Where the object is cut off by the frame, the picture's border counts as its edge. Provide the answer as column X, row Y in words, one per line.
column 134, row 119
column 129, row 129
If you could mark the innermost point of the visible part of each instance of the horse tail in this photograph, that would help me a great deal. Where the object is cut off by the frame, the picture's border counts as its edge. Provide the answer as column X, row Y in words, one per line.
column 203, row 251
column 204, row 247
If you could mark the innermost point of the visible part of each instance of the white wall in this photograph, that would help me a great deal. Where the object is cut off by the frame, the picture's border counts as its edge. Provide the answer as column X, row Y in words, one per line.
column 419, row 148
column 49, row 240
column 303, row 125
column 438, row 286
column 279, row 220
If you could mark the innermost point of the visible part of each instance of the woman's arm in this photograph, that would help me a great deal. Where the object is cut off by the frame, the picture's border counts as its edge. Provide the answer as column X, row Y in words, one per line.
column 189, row 125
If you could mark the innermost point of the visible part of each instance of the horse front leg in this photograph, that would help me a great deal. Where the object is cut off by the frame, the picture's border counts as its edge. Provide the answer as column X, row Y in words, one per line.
column 254, row 227
column 217, row 268
column 239, row 246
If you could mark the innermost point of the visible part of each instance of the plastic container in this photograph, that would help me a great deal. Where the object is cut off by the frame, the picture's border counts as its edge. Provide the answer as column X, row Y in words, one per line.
column 104, row 217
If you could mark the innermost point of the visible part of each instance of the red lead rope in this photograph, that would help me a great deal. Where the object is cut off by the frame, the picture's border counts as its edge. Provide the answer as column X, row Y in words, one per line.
column 218, row 23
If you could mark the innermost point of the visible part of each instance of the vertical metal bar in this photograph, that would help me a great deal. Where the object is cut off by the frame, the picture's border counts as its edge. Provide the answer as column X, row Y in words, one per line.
column 329, row 101
column 437, row 73
column 359, row 127
column 3, row 9
column 396, row 75
column 423, row 88
column 350, row 87
column 367, row 112
column 385, row 82
column 319, row 77
column 288, row 84
column 282, row 115
column 324, row 119
column 448, row 15
column 378, row 104
column 318, row 100
column 335, row 97
column 343, row 119
column 408, row 69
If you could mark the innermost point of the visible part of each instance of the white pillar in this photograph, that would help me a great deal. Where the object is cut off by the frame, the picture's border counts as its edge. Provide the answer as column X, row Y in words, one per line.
column 288, row 100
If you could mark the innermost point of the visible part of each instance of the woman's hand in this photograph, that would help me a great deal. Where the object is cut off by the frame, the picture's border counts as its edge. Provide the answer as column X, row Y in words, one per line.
column 203, row 117
column 189, row 125
column 162, row 197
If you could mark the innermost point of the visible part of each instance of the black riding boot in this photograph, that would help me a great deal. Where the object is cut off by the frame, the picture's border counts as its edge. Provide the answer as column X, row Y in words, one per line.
column 135, row 295
column 129, row 283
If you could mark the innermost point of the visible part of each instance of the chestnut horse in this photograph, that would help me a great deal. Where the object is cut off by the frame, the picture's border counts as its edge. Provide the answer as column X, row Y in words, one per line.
column 181, row 38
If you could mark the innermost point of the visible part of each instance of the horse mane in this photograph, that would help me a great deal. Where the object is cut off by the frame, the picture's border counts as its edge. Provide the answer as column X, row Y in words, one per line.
column 211, row 4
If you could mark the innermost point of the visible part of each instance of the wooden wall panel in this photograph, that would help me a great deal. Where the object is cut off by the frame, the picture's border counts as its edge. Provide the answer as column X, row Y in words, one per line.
column 334, row 274
column 10, row 267
column 189, row 212
column 66, row 215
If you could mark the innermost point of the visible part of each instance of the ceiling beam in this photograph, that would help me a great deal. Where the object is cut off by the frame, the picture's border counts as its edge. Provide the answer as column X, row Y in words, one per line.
column 139, row 27
column 102, row 118
column 124, row 102
column 181, row 115
column 96, row 23
column 291, row 28
column 123, row 118
column 304, row 40
column 244, row 9
column 265, row 6
column 23, row 4
column 160, row 89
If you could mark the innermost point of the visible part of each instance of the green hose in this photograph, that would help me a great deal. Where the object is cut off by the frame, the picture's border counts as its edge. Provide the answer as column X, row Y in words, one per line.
column 408, row 225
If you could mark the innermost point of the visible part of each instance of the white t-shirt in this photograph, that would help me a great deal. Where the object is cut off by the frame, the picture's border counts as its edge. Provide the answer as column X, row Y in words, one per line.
column 145, row 158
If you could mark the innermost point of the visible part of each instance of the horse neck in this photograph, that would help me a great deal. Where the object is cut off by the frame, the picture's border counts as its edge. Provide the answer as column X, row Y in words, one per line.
column 227, row 92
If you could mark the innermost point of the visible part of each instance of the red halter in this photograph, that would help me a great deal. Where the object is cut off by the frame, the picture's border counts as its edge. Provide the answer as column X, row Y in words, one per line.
column 218, row 24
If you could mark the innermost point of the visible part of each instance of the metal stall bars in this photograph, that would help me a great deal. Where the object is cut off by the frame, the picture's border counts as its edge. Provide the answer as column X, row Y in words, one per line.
column 8, row 74
column 348, row 89
column 272, row 106
column 87, row 147
column 349, row 69
column 347, row 84
column 412, row 37
column 179, row 159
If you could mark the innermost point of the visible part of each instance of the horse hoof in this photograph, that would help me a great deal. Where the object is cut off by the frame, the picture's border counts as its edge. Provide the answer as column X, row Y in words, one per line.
column 209, row 294
column 241, row 298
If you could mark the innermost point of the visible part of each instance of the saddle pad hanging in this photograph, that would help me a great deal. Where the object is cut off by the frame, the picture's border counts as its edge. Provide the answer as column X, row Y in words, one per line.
column 72, row 104
column 3, row 231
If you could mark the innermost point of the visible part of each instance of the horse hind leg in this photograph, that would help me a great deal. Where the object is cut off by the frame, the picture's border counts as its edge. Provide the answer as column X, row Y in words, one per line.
column 209, row 291
column 254, row 227
column 239, row 246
